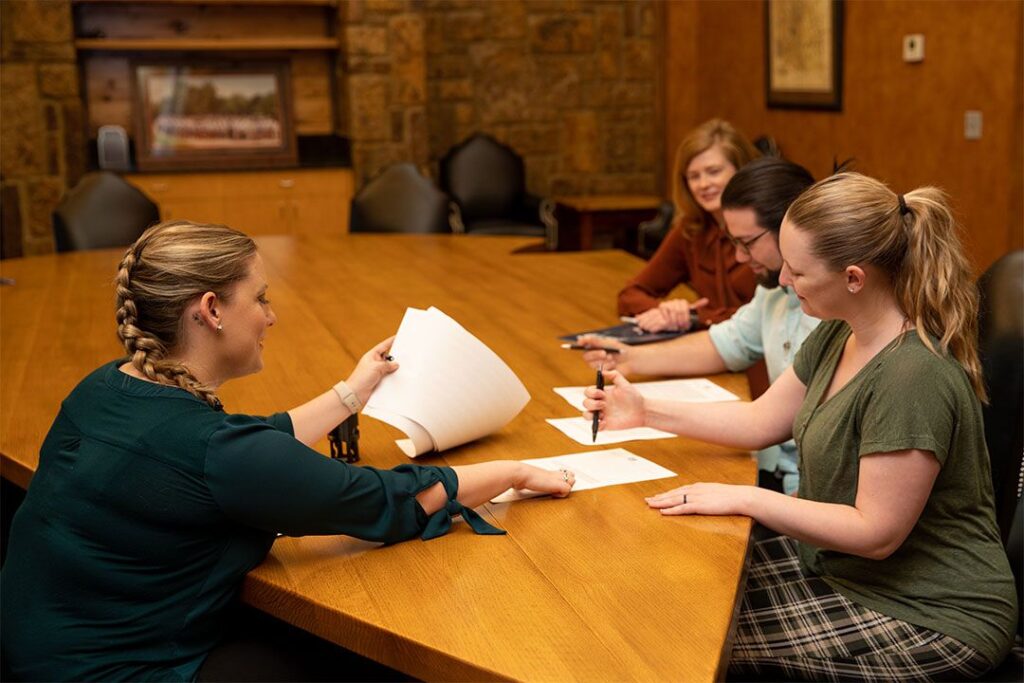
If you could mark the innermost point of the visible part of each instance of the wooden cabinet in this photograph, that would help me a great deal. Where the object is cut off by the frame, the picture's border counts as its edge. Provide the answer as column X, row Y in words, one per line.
column 294, row 202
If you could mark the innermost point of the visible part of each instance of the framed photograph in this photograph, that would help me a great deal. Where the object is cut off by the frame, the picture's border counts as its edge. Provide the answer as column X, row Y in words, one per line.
column 208, row 115
column 804, row 54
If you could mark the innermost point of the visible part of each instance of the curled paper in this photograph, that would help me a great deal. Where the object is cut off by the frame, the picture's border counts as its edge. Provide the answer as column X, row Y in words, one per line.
column 450, row 388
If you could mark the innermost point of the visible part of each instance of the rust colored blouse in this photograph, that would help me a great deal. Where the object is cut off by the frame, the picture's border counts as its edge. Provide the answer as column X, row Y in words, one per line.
column 707, row 263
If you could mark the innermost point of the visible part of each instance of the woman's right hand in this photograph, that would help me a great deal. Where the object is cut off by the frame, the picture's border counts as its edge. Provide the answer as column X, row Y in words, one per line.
column 371, row 368
column 602, row 360
column 620, row 404
column 557, row 483
column 670, row 315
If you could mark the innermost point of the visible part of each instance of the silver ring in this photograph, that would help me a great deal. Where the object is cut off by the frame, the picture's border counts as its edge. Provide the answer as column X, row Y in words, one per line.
column 684, row 499
column 565, row 475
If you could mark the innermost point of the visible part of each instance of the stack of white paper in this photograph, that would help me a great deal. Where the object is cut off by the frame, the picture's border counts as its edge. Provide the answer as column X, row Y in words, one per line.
column 690, row 390
column 581, row 431
column 687, row 390
column 449, row 388
column 594, row 469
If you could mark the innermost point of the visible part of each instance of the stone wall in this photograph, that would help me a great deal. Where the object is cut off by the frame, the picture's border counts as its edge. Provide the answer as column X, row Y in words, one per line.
column 42, row 139
column 382, row 84
column 572, row 85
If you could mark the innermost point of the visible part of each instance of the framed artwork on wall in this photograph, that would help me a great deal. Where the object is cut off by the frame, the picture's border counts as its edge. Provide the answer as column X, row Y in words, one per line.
column 804, row 54
column 212, row 115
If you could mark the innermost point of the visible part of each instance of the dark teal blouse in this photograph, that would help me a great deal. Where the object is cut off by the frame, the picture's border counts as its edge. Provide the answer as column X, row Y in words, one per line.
column 147, row 510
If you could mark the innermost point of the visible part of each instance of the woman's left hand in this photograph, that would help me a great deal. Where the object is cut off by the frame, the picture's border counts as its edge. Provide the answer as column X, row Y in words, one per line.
column 704, row 499
column 370, row 369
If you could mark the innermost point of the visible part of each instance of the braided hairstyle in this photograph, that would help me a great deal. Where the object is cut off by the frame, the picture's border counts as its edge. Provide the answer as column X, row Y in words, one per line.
column 170, row 265
column 915, row 241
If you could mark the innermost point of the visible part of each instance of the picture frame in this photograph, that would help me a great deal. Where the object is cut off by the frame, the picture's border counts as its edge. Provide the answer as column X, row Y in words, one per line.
column 199, row 115
column 804, row 54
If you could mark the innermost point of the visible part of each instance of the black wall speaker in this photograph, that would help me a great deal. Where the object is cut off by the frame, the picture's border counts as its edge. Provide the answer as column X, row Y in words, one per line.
column 112, row 151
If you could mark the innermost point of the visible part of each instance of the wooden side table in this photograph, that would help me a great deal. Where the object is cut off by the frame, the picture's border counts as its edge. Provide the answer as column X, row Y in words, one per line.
column 600, row 221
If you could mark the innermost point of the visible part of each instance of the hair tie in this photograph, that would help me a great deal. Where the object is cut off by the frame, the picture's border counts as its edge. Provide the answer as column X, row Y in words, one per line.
column 904, row 209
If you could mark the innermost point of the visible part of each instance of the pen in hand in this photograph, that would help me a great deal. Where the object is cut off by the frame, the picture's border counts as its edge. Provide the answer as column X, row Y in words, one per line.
column 584, row 347
column 597, row 413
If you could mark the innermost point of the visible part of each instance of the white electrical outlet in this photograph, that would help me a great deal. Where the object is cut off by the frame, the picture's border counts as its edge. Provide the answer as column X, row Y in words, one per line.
column 972, row 124
column 913, row 47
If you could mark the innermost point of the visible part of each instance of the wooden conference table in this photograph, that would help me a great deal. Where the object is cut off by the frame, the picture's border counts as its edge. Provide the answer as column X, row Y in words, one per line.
column 594, row 587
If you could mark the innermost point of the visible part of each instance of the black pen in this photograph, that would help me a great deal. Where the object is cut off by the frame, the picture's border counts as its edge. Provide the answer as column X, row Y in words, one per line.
column 581, row 347
column 597, row 413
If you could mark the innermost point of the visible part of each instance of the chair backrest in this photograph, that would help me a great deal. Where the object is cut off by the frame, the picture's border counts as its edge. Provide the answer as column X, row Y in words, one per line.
column 650, row 234
column 1015, row 553
column 486, row 178
column 102, row 210
column 1001, row 346
column 399, row 199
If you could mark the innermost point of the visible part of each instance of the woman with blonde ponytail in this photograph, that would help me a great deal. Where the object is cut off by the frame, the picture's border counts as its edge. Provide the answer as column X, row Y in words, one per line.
column 151, row 502
column 890, row 566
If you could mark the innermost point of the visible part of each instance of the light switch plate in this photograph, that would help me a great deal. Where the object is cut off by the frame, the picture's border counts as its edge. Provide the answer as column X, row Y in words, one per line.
column 913, row 47
column 972, row 124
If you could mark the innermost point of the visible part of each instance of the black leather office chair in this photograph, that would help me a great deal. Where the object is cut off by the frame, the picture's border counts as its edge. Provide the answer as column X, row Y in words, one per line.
column 767, row 146
column 1001, row 347
column 399, row 199
column 102, row 210
column 487, row 182
column 650, row 234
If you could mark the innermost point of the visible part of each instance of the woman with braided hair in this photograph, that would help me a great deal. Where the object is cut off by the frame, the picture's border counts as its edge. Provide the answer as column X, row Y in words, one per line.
column 891, row 567
column 151, row 502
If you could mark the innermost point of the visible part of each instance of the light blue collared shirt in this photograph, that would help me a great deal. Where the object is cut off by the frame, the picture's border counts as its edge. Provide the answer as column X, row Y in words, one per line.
column 772, row 326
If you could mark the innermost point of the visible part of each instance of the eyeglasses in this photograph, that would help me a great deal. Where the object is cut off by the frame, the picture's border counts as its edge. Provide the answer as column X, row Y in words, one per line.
column 744, row 246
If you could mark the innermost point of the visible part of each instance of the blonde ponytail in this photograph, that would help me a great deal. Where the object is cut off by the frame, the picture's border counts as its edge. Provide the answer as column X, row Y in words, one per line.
column 168, row 266
column 935, row 288
column 915, row 240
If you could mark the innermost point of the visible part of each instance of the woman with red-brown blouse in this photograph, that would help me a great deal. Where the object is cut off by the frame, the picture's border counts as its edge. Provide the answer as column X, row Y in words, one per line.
column 697, row 249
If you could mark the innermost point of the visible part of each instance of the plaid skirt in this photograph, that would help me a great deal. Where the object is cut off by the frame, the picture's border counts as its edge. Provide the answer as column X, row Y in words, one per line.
column 795, row 627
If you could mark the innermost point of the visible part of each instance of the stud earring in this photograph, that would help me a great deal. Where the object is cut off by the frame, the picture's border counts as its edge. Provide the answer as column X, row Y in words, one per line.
column 850, row 290
column 220, row 328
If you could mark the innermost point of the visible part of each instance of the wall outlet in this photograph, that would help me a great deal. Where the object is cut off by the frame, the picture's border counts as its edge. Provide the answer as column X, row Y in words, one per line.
column 972, row 124
column 913, row 47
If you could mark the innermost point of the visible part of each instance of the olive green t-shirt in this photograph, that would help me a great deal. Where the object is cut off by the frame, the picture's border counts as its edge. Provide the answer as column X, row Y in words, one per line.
column 951, row 574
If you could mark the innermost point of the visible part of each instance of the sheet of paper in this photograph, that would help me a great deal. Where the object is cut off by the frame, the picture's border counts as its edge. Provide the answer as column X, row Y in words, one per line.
column 579, row 429
column 689, row 390
column 594, row 469
column 449, row 389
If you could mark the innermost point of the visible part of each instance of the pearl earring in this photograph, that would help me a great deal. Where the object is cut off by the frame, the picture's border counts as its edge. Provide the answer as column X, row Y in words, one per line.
column 850, row 290
column 220, row 328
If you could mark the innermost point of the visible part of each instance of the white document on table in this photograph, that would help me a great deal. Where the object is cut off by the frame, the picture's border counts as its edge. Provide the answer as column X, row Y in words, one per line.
column 581, row 430
column 449, row 389
column 594, row 469
column 697, row 390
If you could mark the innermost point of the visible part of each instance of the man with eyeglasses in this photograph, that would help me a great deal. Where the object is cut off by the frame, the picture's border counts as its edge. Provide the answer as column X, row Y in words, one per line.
column 772, row 326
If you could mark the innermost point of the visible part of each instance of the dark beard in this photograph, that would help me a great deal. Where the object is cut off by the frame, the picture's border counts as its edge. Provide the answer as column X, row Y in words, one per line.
column 770, row 280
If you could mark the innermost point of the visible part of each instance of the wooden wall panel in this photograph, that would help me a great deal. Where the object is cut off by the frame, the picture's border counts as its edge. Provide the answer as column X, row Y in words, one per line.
column 680, row 74
column 903, row 122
